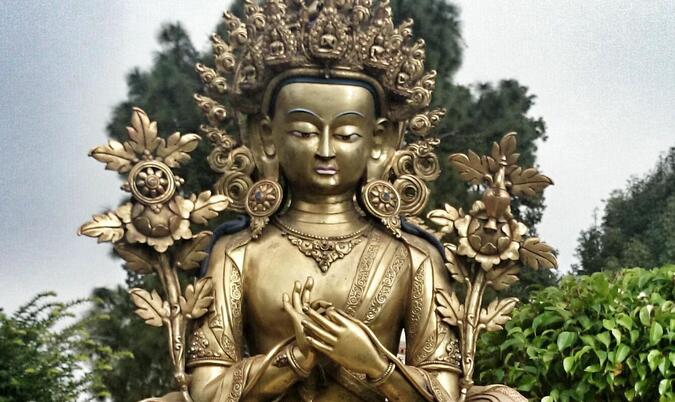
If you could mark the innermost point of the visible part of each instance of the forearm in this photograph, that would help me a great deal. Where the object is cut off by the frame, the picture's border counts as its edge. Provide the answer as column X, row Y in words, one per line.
column 278, row 378
column 253, row 379
column 419, row 385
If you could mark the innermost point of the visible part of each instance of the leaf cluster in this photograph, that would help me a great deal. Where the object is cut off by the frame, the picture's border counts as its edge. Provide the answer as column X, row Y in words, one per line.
column 604, row 337
column 44, row 358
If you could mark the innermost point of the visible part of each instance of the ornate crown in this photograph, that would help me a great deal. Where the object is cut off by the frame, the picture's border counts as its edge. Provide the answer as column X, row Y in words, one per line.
column 341, row 39
column 331, row 38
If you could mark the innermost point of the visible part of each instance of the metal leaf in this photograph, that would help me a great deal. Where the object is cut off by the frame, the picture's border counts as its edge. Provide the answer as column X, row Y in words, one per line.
column 116, row 156
column 105, row 227
column 502, row 278
column 528, row 182
column 175, row 150
column 207, row 207
column 471, row 167
column 456, row 267
column 505, row 148
column 197, row 299
column 143, row 132
column 535, row 254
column 191, row 253
column 444, row 218
column 497, row 313
column 138, row 259
column 449, row 307
column 151, row 308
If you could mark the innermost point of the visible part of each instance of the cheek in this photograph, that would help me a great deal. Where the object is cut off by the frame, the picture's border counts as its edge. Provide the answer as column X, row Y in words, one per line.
column 293, row 153
column 353, row 156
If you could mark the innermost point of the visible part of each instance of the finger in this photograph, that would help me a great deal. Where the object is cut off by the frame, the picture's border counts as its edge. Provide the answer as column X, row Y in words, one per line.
column 320, row 333
column 307, row 290
column 337, row 318
column 286, row 301
column 321, row 306
column 322, row 347
column 296, row 295
column 323, row 321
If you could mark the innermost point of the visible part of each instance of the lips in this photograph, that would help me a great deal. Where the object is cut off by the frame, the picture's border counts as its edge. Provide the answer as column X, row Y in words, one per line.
column 325, row 170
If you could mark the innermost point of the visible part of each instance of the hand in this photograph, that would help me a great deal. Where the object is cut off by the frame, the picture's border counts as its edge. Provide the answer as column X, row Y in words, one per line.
column 293, row 305
column 339, row 337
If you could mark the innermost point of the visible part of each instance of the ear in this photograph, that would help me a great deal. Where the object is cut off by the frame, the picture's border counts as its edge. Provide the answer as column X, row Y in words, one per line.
column 265, row 127
column 262, row 144
column 386, row 139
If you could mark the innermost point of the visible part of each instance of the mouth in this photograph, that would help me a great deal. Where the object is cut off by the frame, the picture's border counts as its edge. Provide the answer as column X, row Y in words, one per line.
column 325, row 170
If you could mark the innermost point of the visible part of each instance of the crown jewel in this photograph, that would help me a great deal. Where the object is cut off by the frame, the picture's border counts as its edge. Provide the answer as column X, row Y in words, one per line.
column 318, row 37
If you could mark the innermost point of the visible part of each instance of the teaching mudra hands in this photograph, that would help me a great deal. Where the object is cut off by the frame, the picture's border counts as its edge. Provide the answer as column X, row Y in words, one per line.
column 321, row 328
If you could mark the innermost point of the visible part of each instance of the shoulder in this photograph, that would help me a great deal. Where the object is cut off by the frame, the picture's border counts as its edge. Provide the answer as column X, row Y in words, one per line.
column 228, row 239
column 422, row 243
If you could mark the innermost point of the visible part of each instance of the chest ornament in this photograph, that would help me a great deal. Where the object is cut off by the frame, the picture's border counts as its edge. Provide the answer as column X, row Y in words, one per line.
column 325, row 250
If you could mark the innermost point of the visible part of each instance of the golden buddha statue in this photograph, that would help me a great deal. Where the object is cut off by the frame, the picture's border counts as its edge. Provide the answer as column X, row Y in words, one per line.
column 307, row 300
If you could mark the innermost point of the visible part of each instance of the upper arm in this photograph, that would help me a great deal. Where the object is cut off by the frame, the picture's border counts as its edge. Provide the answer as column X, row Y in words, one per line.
column 432, row 345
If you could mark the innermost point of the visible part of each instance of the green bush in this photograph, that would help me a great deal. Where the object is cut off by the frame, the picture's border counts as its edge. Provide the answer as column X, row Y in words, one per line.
column 605, row 337
column 44, row 360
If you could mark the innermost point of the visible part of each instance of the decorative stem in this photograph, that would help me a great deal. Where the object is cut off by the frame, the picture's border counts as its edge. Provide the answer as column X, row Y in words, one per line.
column 472, row 328
column 177, row 324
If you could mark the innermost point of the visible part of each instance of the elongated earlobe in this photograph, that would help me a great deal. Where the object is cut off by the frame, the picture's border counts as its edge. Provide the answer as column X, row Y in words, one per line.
column 266, row 137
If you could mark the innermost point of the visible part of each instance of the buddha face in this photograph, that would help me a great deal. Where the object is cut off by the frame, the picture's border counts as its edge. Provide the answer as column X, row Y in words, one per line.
column 323, row 136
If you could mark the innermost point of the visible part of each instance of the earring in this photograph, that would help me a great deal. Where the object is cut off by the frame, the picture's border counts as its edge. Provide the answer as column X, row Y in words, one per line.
column 262, row 201
column 383, row 201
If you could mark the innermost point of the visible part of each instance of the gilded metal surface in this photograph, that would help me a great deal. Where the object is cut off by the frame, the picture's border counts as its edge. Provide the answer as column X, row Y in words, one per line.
column 334, row 164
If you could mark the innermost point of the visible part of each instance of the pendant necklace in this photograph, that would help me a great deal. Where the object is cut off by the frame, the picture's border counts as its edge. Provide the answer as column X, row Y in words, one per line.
column 325, row 250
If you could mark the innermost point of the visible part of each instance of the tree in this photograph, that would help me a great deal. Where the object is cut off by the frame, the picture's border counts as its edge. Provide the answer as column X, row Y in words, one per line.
column 43, row 363
column 638, row 224
column 147, row 370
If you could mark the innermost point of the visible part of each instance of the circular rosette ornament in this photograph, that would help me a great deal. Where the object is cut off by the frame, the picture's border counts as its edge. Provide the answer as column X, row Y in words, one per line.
column 152, row 182
column 489, row 241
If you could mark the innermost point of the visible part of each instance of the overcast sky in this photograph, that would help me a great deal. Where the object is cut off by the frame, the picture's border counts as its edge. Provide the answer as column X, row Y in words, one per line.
column 603, row 73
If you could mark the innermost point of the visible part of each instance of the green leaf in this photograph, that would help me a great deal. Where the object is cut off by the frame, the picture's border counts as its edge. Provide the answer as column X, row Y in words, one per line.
column 594, row 368
column 617, row 335
column 545, row 319
column 654, row 359
column 603, row 337
column 655, row 333
column 566, row 339
column 568, row 363
column 664, row 386
column 645, row 316
column 609, row 324
column 600, row 284
column 625, row 321
column 621, row 353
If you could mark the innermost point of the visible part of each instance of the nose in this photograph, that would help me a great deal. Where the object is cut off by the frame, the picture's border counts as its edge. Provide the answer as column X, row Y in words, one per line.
column 325, row 150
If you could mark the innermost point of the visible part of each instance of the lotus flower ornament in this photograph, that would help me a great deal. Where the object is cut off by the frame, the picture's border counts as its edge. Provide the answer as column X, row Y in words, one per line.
column 484, row 246
column 153, row 233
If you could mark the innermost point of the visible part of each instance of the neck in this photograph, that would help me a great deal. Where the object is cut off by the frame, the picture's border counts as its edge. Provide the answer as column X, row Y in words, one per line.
column 324, row 216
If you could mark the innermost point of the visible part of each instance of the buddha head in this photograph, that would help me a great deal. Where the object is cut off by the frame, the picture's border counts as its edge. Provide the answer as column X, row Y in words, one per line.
column 333, row 121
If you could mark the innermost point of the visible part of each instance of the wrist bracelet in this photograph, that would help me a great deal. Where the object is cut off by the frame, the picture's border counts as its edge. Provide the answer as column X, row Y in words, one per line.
column 384, row 377
column 299, row 371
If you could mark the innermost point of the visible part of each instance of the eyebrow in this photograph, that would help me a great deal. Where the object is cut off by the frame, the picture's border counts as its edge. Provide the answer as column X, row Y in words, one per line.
column 300, row 110
column 348, row 112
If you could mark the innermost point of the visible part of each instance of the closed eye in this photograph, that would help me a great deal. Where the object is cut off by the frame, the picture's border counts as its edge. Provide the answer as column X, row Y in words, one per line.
column 348, row 137
column 302, row 134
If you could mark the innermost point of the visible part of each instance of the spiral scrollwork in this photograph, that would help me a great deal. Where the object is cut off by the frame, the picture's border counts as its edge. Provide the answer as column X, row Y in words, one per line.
column 414, row 194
